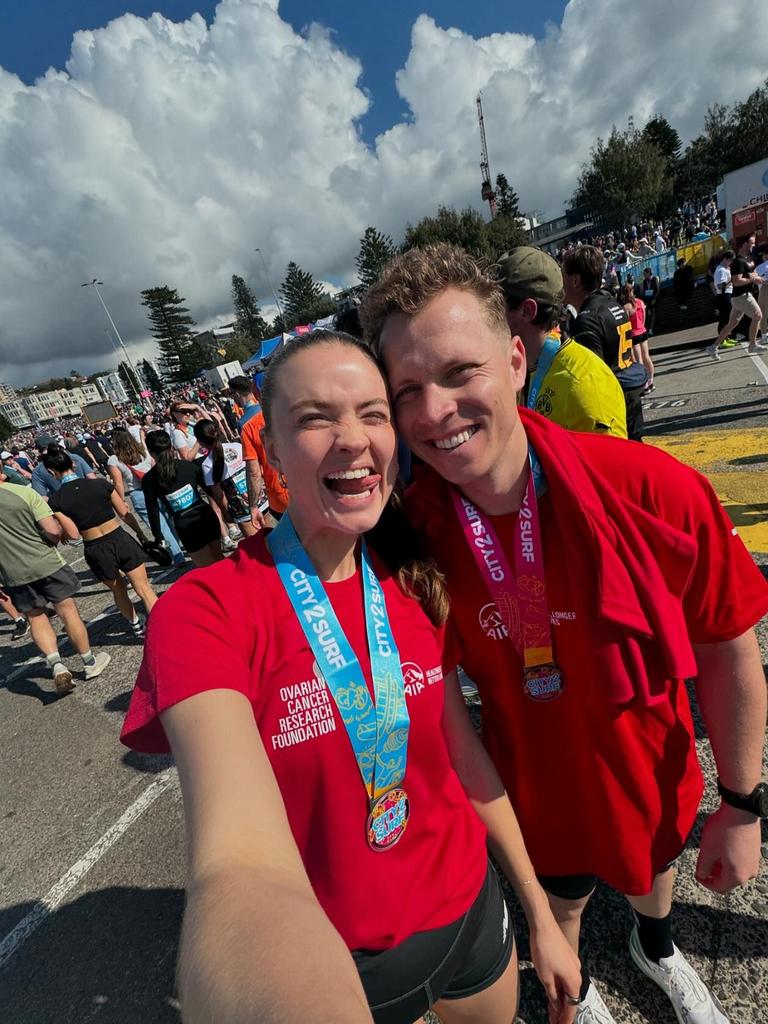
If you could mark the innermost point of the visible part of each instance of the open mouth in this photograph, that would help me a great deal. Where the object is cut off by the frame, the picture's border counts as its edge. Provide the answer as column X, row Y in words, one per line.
column 353, row 484
column 449, row 444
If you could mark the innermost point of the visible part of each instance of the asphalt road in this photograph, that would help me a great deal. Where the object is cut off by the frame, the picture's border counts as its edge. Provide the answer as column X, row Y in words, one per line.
column 91, row 846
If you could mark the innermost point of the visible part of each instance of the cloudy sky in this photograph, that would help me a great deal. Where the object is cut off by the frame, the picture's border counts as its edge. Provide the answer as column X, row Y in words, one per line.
column 164, row 148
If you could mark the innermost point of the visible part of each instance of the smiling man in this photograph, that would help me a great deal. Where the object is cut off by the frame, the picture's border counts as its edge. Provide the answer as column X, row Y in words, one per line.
column 609, row 574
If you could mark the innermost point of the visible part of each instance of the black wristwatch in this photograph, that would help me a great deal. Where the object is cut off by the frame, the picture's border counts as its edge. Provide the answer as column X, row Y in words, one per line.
column 755, row 802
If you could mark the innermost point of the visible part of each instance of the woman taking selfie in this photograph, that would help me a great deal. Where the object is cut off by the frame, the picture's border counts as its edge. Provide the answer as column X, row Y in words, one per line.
column 337, row 798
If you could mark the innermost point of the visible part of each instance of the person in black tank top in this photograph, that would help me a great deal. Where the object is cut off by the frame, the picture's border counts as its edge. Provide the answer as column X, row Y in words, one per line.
column 94, row 511
column 179, row 486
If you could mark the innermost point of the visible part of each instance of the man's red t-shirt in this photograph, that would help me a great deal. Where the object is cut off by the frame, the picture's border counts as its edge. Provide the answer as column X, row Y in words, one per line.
column 232, row 626
column 598, row 788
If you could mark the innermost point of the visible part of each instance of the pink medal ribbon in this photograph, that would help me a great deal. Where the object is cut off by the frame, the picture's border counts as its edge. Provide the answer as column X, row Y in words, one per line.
column 520, row 596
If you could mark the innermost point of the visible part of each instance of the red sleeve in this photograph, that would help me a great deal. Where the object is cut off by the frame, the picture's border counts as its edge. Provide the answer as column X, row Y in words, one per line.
column 727, row 594
column 195, row 642
column 450, row 645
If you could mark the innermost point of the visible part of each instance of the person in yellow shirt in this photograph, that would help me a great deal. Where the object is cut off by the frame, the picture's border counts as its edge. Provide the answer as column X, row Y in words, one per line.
column 567, row 382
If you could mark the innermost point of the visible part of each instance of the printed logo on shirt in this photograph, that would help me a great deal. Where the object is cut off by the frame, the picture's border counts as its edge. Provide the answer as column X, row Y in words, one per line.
column 491, row 622
column 413, row 677
column 309, row 713
column 557, row 617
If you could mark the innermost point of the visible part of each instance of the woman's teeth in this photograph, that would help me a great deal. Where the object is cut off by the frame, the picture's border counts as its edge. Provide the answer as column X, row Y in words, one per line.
column 453, row 442
column 351, row 474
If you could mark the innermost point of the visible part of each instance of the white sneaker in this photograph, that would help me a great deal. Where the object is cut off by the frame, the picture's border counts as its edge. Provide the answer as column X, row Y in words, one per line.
column 101, row 662
column 63, row 683
column 592, row 1009
column 691, row 1000
column 757, row 347
column 712, row 351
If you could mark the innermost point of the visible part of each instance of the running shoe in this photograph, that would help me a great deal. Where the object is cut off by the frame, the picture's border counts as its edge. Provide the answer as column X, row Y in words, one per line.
column 712, row 351
column 691, row 1000
column 729, row 343
column 63, row 683
column 227, row 544
column 592, row 1009
column 137, row 627
column 757, row 347
column 22, row 629
column 101, row 662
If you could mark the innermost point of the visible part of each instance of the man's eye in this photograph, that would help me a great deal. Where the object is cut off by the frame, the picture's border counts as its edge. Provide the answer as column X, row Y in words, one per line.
column 405, row 392
column 460, row 371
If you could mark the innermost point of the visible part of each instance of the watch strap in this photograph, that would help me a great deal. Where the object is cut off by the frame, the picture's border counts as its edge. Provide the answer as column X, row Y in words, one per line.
column 755, row 802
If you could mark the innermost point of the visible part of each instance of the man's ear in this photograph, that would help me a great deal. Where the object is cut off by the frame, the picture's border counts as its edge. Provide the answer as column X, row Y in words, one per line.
column 269, row 448
column 529, row 309
column 518, row 363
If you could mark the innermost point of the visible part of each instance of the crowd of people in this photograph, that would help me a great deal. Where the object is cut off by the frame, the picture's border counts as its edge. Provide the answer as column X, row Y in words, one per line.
column 456, row 483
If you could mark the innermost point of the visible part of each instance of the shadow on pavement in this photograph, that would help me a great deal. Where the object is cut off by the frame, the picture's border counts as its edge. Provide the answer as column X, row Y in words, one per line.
column 722, row 417
column 23, row 686
column 109, row 955
column 152, row 763
column 119, row 702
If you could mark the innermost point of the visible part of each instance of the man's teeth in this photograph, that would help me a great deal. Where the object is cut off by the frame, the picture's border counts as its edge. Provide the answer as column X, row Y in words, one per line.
column 350, row 474
column 456, row 440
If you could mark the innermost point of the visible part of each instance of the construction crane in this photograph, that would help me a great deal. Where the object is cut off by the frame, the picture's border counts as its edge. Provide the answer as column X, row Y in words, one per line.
column 486, row 190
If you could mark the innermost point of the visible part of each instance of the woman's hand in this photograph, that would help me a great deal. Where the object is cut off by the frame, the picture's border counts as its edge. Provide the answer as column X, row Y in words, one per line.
column 558, row 968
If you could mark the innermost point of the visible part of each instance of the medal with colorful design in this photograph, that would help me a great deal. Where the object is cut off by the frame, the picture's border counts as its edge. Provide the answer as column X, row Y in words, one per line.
column 378, row 733
column 520, row 596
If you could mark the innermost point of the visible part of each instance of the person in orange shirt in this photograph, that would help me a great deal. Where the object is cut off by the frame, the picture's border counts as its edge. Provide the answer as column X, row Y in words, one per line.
column 266, row 493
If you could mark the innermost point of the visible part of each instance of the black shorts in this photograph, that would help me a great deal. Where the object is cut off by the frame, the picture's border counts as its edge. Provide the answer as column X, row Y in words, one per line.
column 197, row 527
column 108, row 556
column 576, row 887
column 50, row 590
column 453, row 962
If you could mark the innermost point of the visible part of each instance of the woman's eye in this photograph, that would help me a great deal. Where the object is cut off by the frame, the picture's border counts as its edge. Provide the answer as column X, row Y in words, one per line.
column 376, row 417
column 312, row 417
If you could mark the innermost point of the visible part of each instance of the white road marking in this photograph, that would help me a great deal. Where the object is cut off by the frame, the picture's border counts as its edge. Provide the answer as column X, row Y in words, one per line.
column 56, row 895
column 760, row 366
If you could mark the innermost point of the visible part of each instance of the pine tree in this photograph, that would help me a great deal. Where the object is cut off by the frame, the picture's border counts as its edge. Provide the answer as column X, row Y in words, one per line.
column 6, row 428
column 466, row 229
column 131, row 383
column 250, row 326
column 303, row 299
column 152, row 378
column 376, row 250
column 171, row 327
column 661, row 133
column 507, row 200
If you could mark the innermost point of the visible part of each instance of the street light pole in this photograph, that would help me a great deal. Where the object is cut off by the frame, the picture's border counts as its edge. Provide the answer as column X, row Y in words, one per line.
column 95, row 284
column 272, row 287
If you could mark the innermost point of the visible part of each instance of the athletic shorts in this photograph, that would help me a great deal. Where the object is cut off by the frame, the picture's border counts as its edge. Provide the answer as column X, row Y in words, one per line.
column 50, row 590
column 108, row 556
column 637, row 339
column 453, row 962
column 576, row 887
column 197, row 527
column 746, row 304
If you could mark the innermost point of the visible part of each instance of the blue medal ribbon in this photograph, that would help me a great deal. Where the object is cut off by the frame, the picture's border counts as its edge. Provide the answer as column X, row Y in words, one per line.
column 378, row 734
column 546, row 358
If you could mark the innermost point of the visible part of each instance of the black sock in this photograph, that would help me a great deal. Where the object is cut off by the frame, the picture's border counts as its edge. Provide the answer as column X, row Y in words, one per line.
column 585, row 983
column 655, row 934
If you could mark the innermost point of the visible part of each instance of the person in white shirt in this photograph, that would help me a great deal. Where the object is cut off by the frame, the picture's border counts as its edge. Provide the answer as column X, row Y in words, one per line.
column 660, row 241
column 225, row 475
column 184, row 416
column 723, row 291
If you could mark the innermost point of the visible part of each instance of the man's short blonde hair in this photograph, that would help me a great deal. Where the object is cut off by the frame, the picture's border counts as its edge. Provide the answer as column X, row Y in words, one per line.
column 411, row 280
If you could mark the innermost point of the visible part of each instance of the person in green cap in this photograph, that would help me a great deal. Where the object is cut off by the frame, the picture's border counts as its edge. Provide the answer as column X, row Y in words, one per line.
column 566, row 382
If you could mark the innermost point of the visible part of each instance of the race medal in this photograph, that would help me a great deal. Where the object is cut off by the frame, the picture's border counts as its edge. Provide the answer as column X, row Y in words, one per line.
column 543, row 682
column 388, row 820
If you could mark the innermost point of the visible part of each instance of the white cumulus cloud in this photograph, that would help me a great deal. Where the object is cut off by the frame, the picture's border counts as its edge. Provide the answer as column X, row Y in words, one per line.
column 165, row 153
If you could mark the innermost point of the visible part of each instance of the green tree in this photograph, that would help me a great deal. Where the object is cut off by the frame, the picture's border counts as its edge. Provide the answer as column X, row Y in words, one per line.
column 376, row 250
column 504, row 233
column 171, row 328
column 507, row 200
column 151, row 376
column 6, row 428
column 625, row 176
column 733, row 137
column 237, row 349
column 303, row 299
column 661, row 133
column 131, row 383
column 250, row 325
column 466, row 229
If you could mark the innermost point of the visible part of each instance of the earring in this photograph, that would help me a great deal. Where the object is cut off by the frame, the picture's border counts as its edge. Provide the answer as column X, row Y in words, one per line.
column 283, row 481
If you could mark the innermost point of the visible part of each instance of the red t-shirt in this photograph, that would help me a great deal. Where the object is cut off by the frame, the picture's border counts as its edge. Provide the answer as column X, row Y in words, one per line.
column 598, row 788
column 232, row 626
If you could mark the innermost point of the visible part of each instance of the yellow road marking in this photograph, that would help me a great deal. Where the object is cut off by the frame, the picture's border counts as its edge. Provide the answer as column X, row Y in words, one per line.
column 722, row 455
